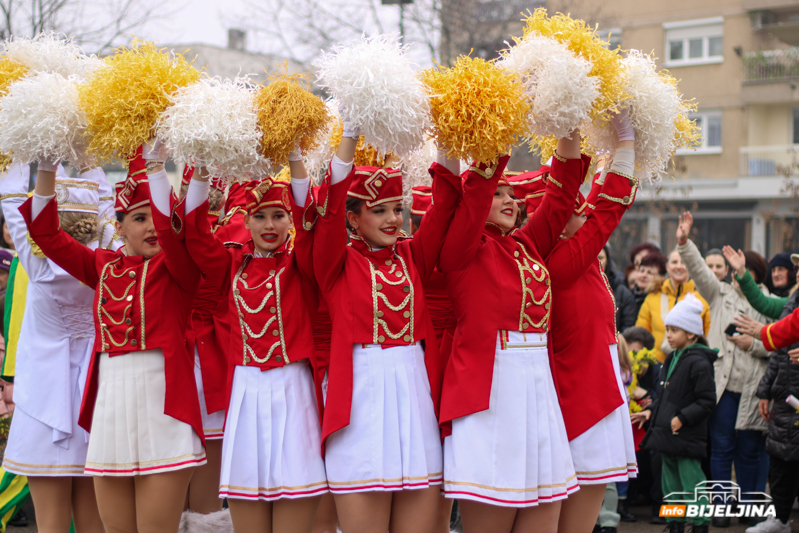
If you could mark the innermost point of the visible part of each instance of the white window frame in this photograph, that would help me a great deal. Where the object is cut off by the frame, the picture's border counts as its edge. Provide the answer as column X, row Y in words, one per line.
column 704, row 149
column 686, row 31
column 614, row 33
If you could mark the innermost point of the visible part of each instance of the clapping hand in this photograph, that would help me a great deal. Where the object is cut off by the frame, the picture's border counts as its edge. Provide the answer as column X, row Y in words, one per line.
column 748, row 326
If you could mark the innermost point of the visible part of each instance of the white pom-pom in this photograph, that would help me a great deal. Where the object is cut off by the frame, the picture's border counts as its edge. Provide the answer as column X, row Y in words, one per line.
column 49, row 52
column 317, row 160
column 379, row 92
column 215, row 124
column 415, row 169
column 556, row 81
column 654, row 106
column 40, row 118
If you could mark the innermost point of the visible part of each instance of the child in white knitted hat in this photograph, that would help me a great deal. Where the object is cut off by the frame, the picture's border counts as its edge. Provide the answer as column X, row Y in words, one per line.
column 680, row 414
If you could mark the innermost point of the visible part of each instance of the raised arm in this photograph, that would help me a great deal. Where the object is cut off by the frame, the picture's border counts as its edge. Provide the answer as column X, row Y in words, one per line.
column 41, row 216
column 466, row 228
column 567, row 173
column 575, row 255
column 706, row 282
column 331, row 229
column 178, row 261
column 429, row 239
column 768, row 306
column 781, row 333
column 303, row 214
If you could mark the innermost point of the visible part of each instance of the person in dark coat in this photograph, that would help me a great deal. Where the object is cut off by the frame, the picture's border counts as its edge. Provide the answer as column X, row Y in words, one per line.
column 782, row 443
column 679, row 417
column 626, row 308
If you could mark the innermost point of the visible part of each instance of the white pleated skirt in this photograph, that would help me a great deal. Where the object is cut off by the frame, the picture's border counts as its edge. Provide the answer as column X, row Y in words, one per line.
column 272, row 444
column 392, row 441
column 605, row 453
column 131, row 435
column 213, row 423
column 36, row 449
column 516, row 453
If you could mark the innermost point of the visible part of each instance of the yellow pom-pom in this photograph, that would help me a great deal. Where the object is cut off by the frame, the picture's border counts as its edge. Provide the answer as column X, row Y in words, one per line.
column 289, row 114
column 584, row 41
column 10, row 71
column 124, row 98
column 365, row 154
column 479, row 111
column 545, row 147
column 5, row 162
column 283, row 175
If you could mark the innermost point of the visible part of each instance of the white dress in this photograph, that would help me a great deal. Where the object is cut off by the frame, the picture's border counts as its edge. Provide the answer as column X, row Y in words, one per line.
column 53, row 353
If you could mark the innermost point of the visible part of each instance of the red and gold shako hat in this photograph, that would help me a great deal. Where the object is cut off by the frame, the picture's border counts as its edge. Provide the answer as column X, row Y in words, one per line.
column 267, row 193
column 134, row 192
column 376, row 186
column 422, row 199
column 530, row 188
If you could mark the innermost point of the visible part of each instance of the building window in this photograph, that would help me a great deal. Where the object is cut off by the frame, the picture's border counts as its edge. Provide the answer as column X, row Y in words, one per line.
column 695, row 42
column 796, row 125
column 613, row 37
column 709, row 124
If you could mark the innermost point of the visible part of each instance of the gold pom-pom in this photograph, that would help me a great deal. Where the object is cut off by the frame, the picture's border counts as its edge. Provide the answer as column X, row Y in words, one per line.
column 687, row 134
column 545, row 147
column 288, row 114
column 5, row 162
column 283, row 175
column 10, row 71
column 479, row 111
column 365, row 154
column 584, row 41
column 124, row 98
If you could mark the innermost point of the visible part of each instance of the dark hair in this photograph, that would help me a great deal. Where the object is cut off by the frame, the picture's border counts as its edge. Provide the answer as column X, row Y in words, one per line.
column 639, row 334
column 650, row 247
column 120, row 216
column 355, row 205
column 655, row 259
column 715, row 251
column 756, row 265
column 3, row 242
column 416, row 220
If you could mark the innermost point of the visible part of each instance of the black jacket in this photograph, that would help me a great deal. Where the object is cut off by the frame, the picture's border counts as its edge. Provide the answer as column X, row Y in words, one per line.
column 626, row 308
column 690, row 395
column 780, row 380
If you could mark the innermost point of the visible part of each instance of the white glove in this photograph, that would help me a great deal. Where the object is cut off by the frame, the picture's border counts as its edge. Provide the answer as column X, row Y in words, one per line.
column 296, row 153
column 155, row 150
column 350, row 131
column 621, row 122
column 48, row 165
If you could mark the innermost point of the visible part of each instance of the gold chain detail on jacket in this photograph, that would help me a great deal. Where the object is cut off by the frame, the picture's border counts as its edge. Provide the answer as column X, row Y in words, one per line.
column 141, row 302
column 612, row 296
column 524, row 265
column 241, row 307
column 377, row 322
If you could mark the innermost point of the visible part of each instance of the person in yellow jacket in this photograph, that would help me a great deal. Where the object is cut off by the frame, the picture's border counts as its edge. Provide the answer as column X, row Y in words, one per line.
column 659, row 302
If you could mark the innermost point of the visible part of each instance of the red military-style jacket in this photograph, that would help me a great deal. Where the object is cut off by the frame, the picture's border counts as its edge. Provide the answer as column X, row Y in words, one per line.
column 272, row 300
column 139, row 305
column 782, row 333
column 580, row 334
column 356, row 282
column 498, row 281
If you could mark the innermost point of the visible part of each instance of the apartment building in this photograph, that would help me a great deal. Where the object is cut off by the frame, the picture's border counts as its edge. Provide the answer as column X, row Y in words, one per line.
column 737, row 59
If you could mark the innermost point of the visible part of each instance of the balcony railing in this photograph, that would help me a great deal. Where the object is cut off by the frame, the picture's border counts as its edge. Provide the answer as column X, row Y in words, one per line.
column 771, row 66
column 768, row 160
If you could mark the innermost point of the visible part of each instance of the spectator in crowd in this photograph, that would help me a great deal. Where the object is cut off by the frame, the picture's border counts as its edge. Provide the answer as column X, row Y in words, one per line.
column 736, row 428
column 5, row 240
column 648, row 482
column 650, row 277
column 783, row 275
column 780, row 381
column 750, row 274
column 626, row 308
column 658, row 303
column 679, row 417
column 637, row 254
column 715, row 261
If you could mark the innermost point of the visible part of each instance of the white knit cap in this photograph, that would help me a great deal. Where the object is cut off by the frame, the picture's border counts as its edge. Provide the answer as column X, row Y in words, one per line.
column 687, row 315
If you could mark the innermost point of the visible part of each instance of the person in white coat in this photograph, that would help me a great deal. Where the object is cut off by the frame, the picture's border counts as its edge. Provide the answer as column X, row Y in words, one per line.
column 45, row 442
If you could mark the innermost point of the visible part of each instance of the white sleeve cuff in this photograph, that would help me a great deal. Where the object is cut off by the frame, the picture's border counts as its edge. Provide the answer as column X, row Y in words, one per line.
column 299, row 189
column 160, row 190
column 339, row 170
column 453, row 165
column 624, row 161
column 197, row 194
column 39, row 203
